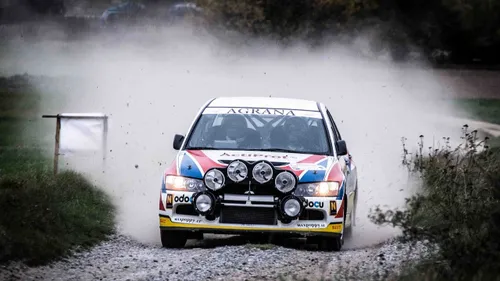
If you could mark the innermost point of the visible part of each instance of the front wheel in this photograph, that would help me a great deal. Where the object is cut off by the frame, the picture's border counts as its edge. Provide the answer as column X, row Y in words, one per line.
column 330, row 244
column 173, row 239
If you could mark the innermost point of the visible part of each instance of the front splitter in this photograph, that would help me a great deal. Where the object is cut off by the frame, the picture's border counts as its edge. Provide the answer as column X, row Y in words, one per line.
column 333, row 229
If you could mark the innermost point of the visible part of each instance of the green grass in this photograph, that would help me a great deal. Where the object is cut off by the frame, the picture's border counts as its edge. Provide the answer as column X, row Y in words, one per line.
column 483, row 109
column 44, row 217
column 13, row 160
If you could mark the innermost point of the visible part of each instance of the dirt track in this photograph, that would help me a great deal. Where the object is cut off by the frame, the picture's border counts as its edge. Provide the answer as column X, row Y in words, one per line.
column 219, row 258
column 125, row 259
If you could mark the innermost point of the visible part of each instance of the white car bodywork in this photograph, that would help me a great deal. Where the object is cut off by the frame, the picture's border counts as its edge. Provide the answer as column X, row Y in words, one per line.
column 254, row 208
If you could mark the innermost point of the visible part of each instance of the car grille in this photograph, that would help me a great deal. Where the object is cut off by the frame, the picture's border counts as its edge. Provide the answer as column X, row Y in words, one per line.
column 248, row 215
column 186, row 209
column 257, row 189
column 309, row 214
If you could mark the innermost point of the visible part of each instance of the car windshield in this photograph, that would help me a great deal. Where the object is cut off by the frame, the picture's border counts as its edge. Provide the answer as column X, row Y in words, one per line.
column 275, row 130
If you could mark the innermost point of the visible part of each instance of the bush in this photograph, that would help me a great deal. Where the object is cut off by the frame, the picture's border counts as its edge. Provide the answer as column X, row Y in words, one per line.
column 45, row 216
column 464, row 31
column 458, row 210
column 284, row 18
column 42, row 217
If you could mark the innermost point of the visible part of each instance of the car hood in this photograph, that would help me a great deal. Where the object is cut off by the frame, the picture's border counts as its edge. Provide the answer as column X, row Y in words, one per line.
column 307, row 167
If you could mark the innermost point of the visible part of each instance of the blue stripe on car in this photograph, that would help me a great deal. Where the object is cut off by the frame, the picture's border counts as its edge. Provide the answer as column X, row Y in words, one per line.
column 311, row 176
column 189, row 167
column 323, row 163
column 341, row 191
column 163, row 187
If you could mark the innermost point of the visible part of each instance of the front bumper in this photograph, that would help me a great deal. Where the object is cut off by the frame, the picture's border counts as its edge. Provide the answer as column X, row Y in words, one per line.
column 322, row 216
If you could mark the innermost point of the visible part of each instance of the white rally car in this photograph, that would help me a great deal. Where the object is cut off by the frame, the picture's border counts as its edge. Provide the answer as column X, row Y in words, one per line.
column 258, row 164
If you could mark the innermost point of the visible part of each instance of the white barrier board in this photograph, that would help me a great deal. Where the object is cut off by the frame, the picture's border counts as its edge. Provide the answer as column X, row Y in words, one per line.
column 81, row 134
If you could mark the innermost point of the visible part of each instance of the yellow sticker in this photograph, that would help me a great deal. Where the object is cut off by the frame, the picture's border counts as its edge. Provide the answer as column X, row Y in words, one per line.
column 337, row 227
column 169, row 201
column 333, row 208
column 164, row 221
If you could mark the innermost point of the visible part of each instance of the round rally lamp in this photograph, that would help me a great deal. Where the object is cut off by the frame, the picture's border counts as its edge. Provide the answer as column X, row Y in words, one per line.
column 285, row 182
column 214, row 179
column 237, row 171
column 262, row 172
column 203, row 203
column 291, row 207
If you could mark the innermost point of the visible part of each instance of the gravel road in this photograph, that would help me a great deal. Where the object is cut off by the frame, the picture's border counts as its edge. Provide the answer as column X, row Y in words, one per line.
column 232, row 257
column 220, row 258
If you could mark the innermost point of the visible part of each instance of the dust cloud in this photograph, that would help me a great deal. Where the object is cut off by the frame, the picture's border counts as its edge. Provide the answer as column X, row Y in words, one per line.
column 152, row 82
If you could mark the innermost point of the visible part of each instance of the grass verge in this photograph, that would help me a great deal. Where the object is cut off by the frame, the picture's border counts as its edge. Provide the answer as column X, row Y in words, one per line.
column 44, row 217
column 457, row 210
column 487, row 110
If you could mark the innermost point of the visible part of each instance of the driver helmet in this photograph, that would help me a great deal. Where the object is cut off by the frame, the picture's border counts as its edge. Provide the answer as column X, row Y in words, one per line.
column 234, row 126
column 296, row 128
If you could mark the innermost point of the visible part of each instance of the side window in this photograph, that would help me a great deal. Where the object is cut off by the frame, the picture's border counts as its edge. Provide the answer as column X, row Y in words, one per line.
column 334, row 127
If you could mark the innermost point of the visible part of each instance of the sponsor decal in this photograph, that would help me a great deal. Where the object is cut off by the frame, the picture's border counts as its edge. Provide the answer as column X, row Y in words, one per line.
column 311, row 225
column 333, row 208
column 306, row 166
column 183, row 199
column 263, row 111
column 314, row 204
column 186, row 220
column 337, row 227
column 170, row 202
column 255, row 155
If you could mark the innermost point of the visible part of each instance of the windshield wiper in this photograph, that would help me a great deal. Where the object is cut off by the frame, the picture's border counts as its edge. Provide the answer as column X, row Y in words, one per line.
column 293, row 151
column 279, row 150
column 202, row 148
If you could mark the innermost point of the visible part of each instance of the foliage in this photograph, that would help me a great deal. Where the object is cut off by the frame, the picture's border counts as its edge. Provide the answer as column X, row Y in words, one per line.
column 469, row 30
column 43, row 217
column 458, row 208
column 487, row 110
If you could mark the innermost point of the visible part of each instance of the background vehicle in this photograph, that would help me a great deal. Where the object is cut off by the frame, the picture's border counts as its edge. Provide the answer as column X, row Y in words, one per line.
column 125, row 12
column 129, row 12
column 265, row 165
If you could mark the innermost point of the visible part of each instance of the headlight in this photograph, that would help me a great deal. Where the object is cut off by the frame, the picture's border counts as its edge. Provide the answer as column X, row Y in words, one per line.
column 183, row 184
column 285, row 182
column 318, row 189
column 204, row 203
column 214, row 179
column 291, row 207
column 237, row 171
column 262, row 172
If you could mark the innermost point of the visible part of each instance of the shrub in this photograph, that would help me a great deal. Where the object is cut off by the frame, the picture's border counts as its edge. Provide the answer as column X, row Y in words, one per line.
column 283, row 18
column 45, row 216
column 465, row 31
column 42, row 217
column 457, row 209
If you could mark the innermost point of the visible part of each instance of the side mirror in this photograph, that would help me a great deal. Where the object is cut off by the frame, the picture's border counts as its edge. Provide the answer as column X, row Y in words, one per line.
column 178, row 139
column 341, row 148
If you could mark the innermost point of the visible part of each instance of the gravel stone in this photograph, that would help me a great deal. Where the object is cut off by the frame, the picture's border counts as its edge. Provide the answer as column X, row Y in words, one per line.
column 122, row 258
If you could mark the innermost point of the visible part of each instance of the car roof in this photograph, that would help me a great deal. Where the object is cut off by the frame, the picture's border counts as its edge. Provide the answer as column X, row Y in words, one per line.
column 265, row 102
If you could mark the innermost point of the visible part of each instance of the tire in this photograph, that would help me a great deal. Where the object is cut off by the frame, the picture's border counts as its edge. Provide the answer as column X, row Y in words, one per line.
column 335, row 244
column 173, row 239
column 355, row 205
column 330, row 244
column 348, row 231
